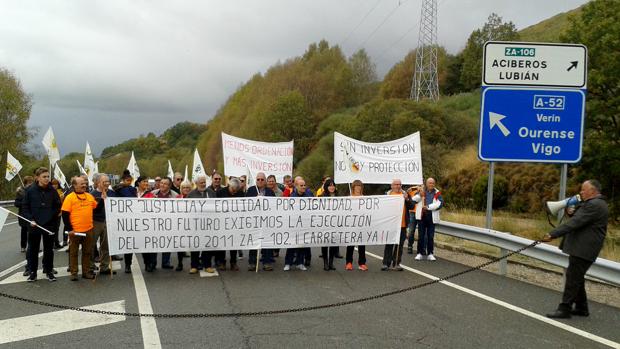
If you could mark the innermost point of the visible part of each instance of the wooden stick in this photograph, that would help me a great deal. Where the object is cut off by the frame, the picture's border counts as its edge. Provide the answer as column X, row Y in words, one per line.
column 257, row 258
column 27, row 220
column 20, row 179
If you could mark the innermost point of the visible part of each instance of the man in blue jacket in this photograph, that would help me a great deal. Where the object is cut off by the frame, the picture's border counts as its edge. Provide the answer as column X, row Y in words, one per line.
column 41, row 206
column 260, row 189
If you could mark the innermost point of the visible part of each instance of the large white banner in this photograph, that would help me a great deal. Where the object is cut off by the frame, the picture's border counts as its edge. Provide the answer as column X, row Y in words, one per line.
column 378, row 163
column 168, row 225
column 246, row 157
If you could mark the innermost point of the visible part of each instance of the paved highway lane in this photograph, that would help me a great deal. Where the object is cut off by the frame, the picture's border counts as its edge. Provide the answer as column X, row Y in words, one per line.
column 484, row 310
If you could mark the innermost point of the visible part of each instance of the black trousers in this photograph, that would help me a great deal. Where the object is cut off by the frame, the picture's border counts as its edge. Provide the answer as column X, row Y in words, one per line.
column 23, row 242
column 361, row 254
column 34, row 242
column 220, row 257
column 392, row 255
column 574, row 288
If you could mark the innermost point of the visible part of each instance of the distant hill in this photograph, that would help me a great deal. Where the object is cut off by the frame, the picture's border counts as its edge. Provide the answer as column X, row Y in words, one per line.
column 549, row 30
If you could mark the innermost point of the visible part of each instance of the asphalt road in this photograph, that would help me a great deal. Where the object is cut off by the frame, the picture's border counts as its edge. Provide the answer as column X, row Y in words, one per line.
column 479, row 309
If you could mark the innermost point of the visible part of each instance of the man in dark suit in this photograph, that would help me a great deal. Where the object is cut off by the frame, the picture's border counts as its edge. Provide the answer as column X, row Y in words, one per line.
column 583, row 237
column 260, row 189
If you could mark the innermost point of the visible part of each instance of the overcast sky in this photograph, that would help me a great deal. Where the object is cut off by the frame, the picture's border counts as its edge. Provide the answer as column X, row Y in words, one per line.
column 107, row 71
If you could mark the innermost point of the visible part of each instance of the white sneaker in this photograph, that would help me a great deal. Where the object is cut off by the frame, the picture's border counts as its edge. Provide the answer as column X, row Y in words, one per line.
column 419, row 257
column 430, row 257
column 302, row 267
column 287, row 267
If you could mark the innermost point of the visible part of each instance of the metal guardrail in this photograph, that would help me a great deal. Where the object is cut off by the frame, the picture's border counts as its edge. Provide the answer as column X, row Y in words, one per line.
column 7, row 203
column 602, row 269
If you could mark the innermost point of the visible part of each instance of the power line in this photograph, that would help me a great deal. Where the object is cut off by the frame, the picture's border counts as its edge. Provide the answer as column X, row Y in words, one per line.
column 358, row 24
column 382, row 23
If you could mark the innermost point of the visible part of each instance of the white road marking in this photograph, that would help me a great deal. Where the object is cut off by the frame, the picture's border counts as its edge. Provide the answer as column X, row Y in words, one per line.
column 506, row 305
column 46, row 324
column 150, row 334
column 62, row 272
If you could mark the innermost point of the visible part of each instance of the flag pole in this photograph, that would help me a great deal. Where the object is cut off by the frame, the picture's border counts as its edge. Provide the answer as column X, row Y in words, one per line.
column 27, row 220
column 20, row 179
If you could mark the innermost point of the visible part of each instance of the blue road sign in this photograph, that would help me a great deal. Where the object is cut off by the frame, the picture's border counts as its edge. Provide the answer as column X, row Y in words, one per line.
column 531, row 125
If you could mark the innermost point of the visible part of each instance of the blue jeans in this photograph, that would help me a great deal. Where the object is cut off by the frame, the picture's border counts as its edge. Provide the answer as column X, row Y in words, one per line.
column 426, row 235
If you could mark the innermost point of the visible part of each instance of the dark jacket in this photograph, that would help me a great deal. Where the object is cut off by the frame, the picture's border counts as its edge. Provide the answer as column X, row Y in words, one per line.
column 126, row 191
column 584, row 233
column 19, row 200
column 307, row 194
column 99, row 211
column 197, row 194
column 41, row 205
column 253, row 191
column 224, row 193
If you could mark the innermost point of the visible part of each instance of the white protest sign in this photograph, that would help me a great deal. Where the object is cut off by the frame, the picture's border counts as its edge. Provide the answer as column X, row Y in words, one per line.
column 242, row 156
column 175, row 225
column 378, row 163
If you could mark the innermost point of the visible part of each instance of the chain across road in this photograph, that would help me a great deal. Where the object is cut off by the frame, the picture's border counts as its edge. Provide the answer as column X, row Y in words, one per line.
column 269, row 312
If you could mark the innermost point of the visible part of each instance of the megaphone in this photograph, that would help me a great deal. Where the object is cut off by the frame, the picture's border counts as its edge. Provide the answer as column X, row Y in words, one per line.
column 554, row 207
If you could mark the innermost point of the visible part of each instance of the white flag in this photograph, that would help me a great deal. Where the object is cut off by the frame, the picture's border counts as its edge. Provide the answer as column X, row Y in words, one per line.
column 185, row 177
column 197, row 169
column 133, row 168
column 249, row 180
column 4, row 213
column 60, row 176
column 49, row 143
column 89, row 163
column 82, row 170
column 96, row 167
column 170, row 172
column 12, row 166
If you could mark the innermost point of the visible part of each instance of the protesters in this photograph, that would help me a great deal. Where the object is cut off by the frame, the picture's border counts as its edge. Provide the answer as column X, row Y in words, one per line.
column 186, row 188
column 142, row 186
column 157, row 182
column 56, row 185
column 428, row 215
column 393, row 253
column 357, row 189
column 273, row 185
column 329, row 253
column 126, row 190
column 288, row 186
column 77, row 215
column 176, row 183
column 197, row 258
column 41, row 205
column 260, row 189
column 298, row 256
column 216, row 184
column 19, row 198
column 100, row 231
column 164, row 192
column 413, row 222
column 233, row 190
column 319, row 192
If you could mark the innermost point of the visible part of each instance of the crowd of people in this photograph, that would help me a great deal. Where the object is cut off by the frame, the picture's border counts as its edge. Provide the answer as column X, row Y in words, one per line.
column 81, row 208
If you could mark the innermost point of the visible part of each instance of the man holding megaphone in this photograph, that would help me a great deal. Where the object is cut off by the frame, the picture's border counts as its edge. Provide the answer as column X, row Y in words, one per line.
column 583, row 237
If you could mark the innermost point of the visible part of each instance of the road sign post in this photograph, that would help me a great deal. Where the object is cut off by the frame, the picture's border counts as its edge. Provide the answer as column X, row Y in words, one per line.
column 533, row 106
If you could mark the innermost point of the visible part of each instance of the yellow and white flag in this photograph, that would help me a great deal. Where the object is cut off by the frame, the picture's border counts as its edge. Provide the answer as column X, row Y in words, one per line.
column 89, row 162
column 133, row 168
column 60, row 176
column 12, row 166
column 49, row 143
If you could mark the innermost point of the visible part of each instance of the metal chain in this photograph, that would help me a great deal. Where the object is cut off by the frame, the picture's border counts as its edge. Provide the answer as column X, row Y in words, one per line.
column 269, row 312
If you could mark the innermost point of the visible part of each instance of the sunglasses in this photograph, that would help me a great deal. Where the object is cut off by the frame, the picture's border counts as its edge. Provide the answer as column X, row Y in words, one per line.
column 259, row 179
column 242, row 181
column 217, row 179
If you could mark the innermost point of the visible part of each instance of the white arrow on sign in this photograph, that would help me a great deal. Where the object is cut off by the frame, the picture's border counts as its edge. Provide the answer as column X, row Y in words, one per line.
column 46, row 324
column 496, row 119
